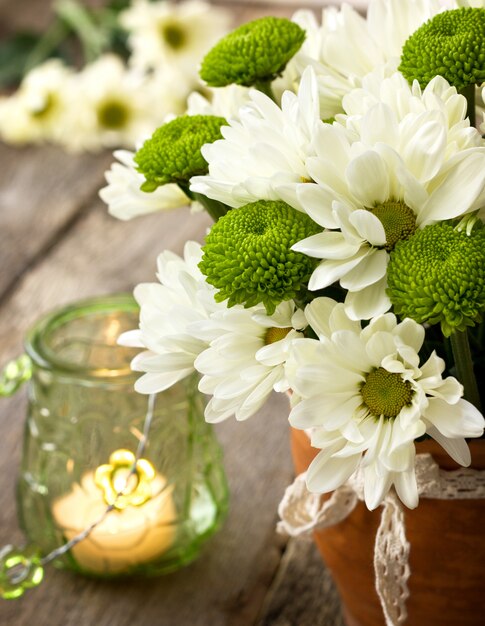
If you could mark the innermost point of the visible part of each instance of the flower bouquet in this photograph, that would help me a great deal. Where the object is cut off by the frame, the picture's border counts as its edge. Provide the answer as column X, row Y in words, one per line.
column 343, row 169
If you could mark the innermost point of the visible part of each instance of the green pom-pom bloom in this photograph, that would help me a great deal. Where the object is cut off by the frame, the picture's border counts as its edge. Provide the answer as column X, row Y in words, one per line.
column 172, row 154
column 451, row 44
column 248, row 256
column 256, row 52
column 438, row 276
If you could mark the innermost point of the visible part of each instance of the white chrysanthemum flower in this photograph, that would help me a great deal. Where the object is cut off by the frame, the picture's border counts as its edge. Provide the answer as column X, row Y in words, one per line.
column 37, row 110
column 245, row 362
column 348, row 46
column 401, row 175
column 406, row 102
column 367, row 399
column 124, row 197
column 165, row 33
column 111, row 106
column 269, row 145
column 169, row 312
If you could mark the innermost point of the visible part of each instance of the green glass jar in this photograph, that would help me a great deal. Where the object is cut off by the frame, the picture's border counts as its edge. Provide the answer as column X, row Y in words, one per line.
column 84, row 414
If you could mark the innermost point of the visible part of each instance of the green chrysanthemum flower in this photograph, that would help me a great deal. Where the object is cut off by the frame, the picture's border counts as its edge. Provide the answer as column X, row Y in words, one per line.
column 172, row 154
column 451, row 44
column 248, row 256
column 438, row 276
column 256, row 52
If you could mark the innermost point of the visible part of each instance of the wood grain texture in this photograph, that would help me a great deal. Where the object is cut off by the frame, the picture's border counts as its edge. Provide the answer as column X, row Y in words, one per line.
column 303, row 593
column 42, row 191
column 33, row 15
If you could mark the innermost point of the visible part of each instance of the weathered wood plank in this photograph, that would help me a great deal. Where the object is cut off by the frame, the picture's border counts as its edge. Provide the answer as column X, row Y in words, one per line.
column 228, row 584
column 303, row 593
column 34, row 15
column 42, row 190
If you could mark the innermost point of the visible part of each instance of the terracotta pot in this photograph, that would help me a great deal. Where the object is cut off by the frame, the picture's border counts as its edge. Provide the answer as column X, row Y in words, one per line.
column 447, row 560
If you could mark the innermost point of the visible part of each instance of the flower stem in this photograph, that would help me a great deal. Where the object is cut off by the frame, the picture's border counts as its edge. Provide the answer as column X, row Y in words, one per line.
column 93, row 39
column 469, row 93
column 265, row 87
column 464, row 367
column 214, row 208
column 46, row 45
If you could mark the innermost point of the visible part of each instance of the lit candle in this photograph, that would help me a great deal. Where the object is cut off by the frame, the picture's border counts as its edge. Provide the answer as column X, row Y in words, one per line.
column 132, row 534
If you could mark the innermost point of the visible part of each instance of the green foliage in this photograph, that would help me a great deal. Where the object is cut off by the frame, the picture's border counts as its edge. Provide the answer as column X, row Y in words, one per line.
column 256, row 52
column 172, row 154
column 75, row 27
column 248, row 257
column 14, row 54
column 438, row 277
column 451, row 44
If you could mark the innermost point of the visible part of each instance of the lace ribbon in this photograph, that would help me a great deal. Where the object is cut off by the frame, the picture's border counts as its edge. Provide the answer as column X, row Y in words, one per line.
column 302, row 512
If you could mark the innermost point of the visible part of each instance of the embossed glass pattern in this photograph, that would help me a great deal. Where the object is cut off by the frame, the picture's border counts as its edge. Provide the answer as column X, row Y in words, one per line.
column 82, row 408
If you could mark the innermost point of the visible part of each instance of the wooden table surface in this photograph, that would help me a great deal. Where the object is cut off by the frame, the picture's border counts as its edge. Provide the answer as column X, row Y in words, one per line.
column 58, row 244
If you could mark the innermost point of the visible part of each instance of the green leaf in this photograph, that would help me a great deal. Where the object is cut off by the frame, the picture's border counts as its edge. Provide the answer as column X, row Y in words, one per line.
column 14, row 53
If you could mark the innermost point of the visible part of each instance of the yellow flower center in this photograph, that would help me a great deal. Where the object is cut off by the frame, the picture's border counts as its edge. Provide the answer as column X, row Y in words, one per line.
column 398, row 220
column 275, row 334
column 386, row 393
column 174, row 35
column 43, row 106
column 113, row 114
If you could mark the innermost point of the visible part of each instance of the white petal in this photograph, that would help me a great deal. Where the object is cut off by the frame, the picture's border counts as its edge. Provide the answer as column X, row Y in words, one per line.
column 457, row 448
column 371, row 270
column 411, row 333
column 457, row 193
column 330, row 271
column 376, row 486
column 369, row 302
column 155, row 383
column 327, row 245
column 407, row 488
column 326, row 474
column 424, row 153
column 456, row 420
column 380, row 124
column 369, row 227
column 317, row 203
column 368, row 179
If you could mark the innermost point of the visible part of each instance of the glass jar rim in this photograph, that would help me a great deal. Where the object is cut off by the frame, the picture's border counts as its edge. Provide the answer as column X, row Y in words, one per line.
column 43, row 356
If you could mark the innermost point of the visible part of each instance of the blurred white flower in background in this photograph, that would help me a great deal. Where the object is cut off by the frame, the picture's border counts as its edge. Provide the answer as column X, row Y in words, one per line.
column 37, row 111
column 111, row 106
column 167, row 33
